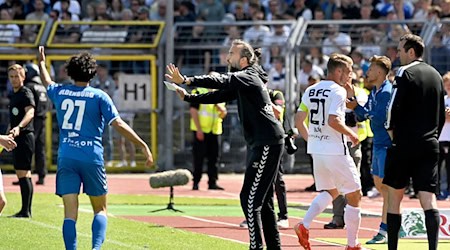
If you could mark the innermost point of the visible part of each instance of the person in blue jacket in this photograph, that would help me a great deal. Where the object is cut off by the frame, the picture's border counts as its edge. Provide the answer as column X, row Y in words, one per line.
column 375, row 111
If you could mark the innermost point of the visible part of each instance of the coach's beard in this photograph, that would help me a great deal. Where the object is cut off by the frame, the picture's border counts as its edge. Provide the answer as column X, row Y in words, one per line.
column 232, row 68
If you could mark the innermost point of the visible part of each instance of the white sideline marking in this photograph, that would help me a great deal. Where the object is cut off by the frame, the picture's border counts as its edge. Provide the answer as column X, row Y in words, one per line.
column 234, row 195
column 89, row 211
column 316, row 240
column 216, row 222
column 228, row 239
column 118, row 243
column 211, row 221
column 323, row 222
column 235, row 225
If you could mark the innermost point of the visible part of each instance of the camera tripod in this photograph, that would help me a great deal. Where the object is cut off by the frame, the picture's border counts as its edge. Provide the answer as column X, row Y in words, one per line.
column 169, row 205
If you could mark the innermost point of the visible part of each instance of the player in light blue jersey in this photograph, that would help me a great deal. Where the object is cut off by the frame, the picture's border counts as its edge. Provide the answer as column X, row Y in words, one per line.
column 83, row 112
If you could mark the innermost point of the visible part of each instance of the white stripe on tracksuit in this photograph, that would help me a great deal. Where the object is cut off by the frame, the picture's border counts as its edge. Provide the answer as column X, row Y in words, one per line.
column 251, row 219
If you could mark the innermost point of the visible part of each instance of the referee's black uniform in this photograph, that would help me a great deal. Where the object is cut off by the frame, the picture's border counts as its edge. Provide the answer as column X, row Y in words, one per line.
column 23, row 153
column 264, row 135
column 416, row 115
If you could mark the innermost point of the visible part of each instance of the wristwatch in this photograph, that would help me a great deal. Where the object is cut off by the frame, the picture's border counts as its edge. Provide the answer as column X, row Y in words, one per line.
column 20, row 127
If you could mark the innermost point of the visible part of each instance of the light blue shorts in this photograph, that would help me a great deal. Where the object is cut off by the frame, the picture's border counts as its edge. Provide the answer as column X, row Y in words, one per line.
column 71, row 173
column 378, row 160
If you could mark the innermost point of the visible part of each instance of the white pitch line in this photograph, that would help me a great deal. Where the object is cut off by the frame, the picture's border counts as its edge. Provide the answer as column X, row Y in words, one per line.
column 234, row 195
column 114, row 242
column 228, row 239
column 312, row 239
column 323, row 222
column 235, row 225
column 210, row 221
column 89, row 211
column 216, row 222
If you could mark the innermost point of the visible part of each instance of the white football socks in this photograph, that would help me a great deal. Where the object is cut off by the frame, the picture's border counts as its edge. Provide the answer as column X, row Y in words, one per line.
column 318, row 205
column 352, row 219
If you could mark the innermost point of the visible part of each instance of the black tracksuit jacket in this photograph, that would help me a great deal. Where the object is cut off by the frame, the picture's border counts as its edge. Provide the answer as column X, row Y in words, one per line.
column 255, row 109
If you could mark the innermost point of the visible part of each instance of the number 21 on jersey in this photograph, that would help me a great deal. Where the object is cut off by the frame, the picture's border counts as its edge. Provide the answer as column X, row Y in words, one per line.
column 317, row 109
column 317, row 112
column 69, row 106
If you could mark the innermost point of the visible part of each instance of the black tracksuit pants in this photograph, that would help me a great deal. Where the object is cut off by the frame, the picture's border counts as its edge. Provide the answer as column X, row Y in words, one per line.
column 257, row 195
column 280, row 190
column 209, row 149
column 39, row 153
column 366, row 165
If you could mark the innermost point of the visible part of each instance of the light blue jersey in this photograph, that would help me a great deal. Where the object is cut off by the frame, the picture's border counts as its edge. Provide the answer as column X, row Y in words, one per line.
column 82, row 113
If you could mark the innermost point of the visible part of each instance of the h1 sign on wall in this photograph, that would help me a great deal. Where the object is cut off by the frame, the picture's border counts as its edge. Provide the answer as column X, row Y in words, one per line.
column 133, row 92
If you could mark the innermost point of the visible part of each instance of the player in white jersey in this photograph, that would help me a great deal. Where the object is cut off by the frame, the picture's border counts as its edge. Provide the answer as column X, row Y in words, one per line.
column 334, row 169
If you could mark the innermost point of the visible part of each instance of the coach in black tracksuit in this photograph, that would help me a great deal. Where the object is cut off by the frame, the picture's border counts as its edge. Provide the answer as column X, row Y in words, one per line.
column 415, row 118
column 262, row 131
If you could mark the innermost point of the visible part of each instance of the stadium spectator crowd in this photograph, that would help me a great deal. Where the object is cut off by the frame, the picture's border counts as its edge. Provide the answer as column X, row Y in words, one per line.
column 366, row 40
column 361, row 41
column 222, row 10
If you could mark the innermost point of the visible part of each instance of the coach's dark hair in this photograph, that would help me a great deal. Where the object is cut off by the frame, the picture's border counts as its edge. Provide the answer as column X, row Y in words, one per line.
column 413, row 42
column 258, row 54
column 338, row 61
column 81, row 67
column 246, row 51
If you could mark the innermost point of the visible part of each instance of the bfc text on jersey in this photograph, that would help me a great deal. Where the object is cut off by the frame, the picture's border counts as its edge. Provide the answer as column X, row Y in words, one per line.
column 319, row 92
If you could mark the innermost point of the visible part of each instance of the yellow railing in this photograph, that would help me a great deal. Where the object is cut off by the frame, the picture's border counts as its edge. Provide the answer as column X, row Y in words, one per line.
column 154, row 88
column 39, row 32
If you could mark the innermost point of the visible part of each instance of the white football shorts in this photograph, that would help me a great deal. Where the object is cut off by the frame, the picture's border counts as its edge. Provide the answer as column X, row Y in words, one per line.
column 336, row 171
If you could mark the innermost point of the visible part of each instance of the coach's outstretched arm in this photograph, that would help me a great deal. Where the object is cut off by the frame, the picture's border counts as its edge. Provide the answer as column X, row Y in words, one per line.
column 213, row 97
column 45, row 76
column 233, row 80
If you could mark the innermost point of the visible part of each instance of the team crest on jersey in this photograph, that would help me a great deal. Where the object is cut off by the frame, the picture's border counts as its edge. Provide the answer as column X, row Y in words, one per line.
column 15, row 111
column 268, row 109
column 43, row 97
